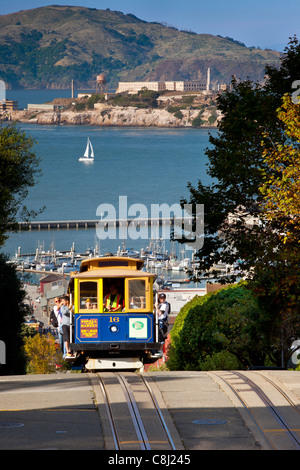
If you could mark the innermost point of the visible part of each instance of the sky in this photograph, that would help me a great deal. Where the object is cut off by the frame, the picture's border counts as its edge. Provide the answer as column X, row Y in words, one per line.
column 262, row 23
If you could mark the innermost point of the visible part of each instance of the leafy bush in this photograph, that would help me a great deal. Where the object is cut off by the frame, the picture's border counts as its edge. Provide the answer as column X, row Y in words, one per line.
column 178, row 114
column 143, row 99
column 95, row 98
column 197, row 122
column 207, row 327
column 212, row 118
column 223, row 360
column 43, row 354
column 79, row 106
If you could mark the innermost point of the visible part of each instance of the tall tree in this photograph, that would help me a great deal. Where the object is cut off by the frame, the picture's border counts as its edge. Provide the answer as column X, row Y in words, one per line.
column 13, row 310
column 19, row 169
column 252, row 148
column 232, row 201
column 277, row 283
column 281, row 178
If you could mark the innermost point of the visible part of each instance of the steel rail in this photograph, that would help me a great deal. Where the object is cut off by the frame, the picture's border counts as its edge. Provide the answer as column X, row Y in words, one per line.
column 247, row 408
column 278, row 416
column 288, row 399
column 267, row 402
column 160, row 415
column 134, row 413
column 139, row 426
column 112, row 426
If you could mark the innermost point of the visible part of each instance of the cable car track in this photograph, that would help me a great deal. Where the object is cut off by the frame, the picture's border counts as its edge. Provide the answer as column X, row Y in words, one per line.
column 272, row 411
column 136, row 421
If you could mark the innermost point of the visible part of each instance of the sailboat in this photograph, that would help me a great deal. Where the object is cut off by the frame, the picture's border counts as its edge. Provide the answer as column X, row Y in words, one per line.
column 88, row 155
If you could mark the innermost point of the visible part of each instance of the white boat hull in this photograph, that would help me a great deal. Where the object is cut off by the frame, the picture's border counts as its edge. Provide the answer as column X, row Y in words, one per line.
column 86, row 160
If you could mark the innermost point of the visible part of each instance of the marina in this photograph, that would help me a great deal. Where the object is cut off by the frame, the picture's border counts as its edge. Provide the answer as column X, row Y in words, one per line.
column 69, row 224
column 145, row 164
column 172, row 272
column 69, row 260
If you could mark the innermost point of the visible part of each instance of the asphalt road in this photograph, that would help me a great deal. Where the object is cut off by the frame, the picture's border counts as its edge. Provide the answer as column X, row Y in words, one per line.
column 59, row 411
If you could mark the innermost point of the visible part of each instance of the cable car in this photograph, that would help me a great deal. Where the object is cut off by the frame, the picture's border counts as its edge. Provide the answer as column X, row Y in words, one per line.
column 114, row 325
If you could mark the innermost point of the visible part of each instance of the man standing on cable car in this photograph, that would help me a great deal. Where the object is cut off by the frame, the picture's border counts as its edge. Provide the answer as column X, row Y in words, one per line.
column 113, row 302
column 163, row 310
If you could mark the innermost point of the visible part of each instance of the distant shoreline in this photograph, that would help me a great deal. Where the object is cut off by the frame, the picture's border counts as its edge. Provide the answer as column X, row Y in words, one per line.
column 111, row 116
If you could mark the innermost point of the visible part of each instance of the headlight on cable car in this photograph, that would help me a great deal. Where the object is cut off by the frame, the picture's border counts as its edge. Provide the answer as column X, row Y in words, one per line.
column 114, row 329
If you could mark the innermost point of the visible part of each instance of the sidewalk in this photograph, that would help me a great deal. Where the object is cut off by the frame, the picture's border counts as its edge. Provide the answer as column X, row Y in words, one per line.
column 49, row 412
column 32, row 294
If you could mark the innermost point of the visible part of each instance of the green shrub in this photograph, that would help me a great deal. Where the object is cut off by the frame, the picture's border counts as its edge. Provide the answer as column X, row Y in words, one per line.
column 79, row 106
column 223, row 360
column 197, row 121
column 222, row 322
column 178, row 114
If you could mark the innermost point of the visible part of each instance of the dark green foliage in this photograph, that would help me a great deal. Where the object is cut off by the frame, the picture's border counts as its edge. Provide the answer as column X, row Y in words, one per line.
column 18, row 172
column 143, row 99
column 197, row 121
column 12, row 315
column 249, row 126
column 227, row 326
column 235, row 166
column 178, row 114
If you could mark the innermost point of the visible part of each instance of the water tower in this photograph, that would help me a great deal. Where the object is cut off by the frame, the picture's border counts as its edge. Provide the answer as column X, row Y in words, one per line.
column 101, row 83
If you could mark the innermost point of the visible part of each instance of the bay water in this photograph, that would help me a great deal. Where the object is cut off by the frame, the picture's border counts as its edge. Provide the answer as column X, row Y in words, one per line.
column 147, row 165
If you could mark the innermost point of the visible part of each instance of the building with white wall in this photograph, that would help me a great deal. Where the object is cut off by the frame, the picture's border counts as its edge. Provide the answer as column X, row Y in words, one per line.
column 134, row 87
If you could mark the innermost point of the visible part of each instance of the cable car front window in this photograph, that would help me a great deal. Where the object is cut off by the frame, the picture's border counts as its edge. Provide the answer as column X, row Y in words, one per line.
column 88, row 296
column 137, row 294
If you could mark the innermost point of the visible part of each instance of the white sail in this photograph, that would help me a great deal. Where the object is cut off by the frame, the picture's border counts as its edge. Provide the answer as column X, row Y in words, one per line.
column 92, row 150
column 88, row 155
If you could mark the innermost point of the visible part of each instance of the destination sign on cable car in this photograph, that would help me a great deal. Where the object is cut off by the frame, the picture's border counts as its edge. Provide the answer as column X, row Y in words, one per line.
column 107, row 327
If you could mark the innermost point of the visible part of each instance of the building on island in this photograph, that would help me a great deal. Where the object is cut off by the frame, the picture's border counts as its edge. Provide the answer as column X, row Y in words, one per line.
column 134, row 87
column 8, row 105
column 170, row 85
column 43, row 107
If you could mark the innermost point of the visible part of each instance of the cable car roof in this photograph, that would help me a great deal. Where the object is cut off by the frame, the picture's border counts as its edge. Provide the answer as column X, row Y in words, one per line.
column 111, row 262
column 111, row 273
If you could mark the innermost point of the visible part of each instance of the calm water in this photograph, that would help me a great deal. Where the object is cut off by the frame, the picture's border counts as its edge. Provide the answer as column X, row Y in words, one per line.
column 145, row 164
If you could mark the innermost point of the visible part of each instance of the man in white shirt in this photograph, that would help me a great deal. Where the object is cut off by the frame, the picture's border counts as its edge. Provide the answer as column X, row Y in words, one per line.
column 162, row 308
column 58, row 323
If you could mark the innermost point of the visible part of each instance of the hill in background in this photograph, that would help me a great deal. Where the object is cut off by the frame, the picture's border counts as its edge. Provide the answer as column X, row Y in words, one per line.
column 48, row 47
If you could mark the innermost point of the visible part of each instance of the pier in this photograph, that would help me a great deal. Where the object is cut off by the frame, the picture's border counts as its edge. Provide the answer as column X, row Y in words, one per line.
column 103, row 223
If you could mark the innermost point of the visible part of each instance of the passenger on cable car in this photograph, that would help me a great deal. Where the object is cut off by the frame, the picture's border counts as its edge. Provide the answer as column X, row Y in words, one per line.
column 113, row 302
column 163, row 310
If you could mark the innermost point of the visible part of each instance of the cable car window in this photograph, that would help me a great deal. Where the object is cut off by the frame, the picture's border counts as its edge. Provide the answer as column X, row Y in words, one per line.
column 113, row 295
column 137, row 294
column 88, row 296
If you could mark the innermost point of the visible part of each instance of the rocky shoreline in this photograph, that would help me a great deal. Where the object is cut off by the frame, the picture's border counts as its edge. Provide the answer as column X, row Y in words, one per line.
column 113, row 116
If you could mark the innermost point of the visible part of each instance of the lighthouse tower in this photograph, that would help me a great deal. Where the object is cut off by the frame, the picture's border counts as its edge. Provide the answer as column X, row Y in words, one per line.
column 208, row 80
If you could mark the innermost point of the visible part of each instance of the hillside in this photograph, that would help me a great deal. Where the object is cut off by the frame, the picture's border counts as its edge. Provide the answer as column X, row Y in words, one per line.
column 47, row 47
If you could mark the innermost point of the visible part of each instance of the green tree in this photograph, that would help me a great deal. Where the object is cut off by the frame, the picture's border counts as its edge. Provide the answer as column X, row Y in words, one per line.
column 250, row 130
column 277, row 283
column 232, row 201
column 235, row 163
column 226, row 324
column 18, row 171
column 281, row 177
column 12, row 313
